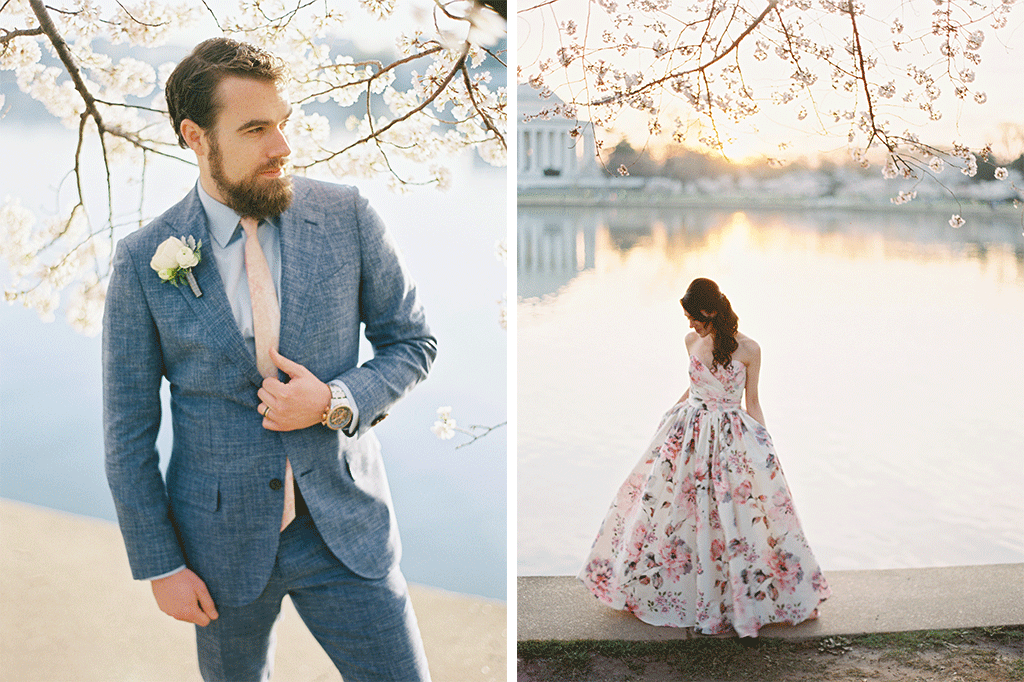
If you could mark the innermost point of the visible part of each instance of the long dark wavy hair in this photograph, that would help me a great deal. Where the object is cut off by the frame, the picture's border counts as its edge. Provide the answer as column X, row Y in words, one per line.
column 705, row 303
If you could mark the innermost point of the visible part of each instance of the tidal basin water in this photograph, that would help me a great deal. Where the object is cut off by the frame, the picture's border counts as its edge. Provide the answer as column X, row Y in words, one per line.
column 450, row 502
column 892, row 374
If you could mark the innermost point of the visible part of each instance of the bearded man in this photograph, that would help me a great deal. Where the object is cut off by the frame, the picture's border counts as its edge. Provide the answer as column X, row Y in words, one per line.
column 275, row 483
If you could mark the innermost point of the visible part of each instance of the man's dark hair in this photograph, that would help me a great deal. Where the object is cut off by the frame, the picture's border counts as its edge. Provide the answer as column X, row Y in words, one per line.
column 191, row 89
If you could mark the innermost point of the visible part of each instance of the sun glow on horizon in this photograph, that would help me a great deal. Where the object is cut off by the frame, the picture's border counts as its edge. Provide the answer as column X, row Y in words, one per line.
column 813, row 126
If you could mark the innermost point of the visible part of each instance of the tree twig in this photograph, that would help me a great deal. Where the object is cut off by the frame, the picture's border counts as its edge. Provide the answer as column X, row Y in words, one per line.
column 700, row 68
column 472, row 431
column 863, row 75
column 483, row 115
column 412, row 112
column 17, row 33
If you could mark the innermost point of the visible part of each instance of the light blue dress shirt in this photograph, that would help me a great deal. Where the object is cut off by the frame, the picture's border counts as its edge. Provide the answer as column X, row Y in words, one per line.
column 227, row 244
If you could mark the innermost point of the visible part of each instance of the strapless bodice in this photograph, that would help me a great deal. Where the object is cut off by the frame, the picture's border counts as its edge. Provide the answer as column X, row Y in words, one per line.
column 717, row 389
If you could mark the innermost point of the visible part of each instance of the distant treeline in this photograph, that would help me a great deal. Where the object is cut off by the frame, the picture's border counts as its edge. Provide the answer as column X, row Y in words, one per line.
column 685, row 164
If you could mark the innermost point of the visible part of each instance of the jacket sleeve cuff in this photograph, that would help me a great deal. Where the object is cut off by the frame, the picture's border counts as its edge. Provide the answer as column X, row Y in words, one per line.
column 349, row 430
column 168, row 574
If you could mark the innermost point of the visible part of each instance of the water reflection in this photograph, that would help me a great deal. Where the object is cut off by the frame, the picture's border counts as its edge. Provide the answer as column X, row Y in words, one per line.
column 891, row 380
column 556, row 244
column 553, row 245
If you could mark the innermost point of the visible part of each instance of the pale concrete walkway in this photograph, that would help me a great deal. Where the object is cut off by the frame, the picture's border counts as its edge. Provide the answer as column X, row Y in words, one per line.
column 560, row 608
column 70, row 612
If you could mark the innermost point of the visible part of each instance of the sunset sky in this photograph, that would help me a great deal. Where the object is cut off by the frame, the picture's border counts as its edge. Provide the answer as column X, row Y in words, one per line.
column 999, row 75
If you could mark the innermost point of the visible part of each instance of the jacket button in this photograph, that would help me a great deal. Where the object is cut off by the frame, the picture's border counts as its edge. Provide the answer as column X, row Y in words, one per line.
column 276, row 484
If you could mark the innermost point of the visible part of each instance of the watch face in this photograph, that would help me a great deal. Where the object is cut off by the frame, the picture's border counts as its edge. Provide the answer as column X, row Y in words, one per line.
column 339, row 417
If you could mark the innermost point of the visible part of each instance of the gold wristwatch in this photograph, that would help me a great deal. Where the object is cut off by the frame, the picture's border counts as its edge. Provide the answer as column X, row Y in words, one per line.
column 339, row 414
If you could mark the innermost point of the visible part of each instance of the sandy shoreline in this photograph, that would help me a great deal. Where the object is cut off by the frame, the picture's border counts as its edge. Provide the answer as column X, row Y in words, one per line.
column 69, row 611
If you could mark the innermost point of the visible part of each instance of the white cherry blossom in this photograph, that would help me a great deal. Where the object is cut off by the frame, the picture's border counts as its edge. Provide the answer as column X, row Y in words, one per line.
column 726, row 61
column 116, row 106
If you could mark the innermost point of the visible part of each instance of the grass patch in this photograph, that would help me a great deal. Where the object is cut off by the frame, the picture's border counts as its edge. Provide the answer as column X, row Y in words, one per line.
column 905, row 647
column 994, row 653
column 920, row 639
column 702, row 658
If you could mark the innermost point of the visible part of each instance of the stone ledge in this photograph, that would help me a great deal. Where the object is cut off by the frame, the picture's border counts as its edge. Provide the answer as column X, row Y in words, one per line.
column 897, row 600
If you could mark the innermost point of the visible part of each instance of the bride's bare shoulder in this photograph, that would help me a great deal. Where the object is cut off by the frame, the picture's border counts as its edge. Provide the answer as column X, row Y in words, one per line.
column 748, row 350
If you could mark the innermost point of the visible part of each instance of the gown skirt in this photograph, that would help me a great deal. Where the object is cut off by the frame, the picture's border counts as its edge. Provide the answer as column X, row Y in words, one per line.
column 703, row 533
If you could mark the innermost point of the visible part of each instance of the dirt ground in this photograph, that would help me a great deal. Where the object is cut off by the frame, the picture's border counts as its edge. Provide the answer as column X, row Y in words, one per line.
column 979, row 655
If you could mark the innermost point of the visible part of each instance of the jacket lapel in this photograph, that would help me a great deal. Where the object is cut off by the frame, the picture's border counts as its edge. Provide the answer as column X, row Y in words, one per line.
column 299, row 265
column 212, row 308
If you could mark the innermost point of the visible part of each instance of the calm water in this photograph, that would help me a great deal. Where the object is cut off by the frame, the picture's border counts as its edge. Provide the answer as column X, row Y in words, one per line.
column 891, row 380
column 450, row 503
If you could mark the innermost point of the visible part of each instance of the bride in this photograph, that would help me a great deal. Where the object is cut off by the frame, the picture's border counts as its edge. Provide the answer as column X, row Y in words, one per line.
column 703, row 532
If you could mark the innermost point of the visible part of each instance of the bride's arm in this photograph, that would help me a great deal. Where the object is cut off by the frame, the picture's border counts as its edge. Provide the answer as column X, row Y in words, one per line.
column 688, row 339
column 753, row 372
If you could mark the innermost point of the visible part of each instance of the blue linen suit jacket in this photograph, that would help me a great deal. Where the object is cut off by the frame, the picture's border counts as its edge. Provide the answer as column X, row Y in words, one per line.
column 218, row 511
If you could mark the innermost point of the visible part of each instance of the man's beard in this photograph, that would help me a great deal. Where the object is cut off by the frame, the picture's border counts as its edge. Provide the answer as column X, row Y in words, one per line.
column 256, row 197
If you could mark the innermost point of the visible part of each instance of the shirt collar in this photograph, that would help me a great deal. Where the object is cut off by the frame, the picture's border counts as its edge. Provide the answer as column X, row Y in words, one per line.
column 223, row 220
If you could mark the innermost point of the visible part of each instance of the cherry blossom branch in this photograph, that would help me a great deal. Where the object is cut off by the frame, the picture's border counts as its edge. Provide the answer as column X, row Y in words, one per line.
column 375, row 134
column 125, row 105
column 446, row 427
column 286, row 18
column 548, row 3
column 17, row 33
column 139, row 21
column 382, row 69
column 483, row 115
column 862, row 72
column 64, row 54
column 93, row 94
column 495, row 57
column 91, row 109
column 476, row 432
column 376, row 139
column 213, row 14
column 700, row 68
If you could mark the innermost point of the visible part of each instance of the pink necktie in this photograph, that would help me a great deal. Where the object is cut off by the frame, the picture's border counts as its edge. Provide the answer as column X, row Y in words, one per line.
column 266, row 323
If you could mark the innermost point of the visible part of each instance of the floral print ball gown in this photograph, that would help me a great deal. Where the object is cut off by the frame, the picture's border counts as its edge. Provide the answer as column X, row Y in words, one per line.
column 703, row 533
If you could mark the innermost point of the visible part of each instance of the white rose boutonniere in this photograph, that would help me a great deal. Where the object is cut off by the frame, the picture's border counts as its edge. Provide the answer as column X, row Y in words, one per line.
column 174, row 260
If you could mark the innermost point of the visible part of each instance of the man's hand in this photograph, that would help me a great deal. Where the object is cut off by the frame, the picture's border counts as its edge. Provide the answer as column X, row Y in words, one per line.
column 294, row 405
column 184, row 596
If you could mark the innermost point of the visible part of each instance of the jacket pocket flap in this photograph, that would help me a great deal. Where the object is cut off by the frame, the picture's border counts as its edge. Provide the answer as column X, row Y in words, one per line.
column 197, row 489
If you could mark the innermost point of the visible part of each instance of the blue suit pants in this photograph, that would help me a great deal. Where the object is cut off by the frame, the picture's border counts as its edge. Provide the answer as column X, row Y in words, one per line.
column 367, row 627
